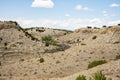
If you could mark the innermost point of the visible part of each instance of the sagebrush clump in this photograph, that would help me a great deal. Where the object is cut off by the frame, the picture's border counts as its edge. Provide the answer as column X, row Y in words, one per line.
column 96, row 63
column 96, row 76
column 99, row 76
column 81, row 77
column 41, row 60
column 94, row 37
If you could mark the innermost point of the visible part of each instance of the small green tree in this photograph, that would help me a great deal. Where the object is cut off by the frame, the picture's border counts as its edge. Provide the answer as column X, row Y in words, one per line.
column 81, row 77
column 48, row 40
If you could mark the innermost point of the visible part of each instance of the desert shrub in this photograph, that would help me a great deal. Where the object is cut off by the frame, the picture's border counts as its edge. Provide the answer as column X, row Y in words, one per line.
column 99, row 76
column 20, row 43
column 96, row 63
column 78, row 40
column 1, row 39
column 94, row 37
column 0, row 63
column 117, row 57
column 40, row 30
column 91, row 52
column 33, row 38
column 5, row 48
column 57, row 62
column 48, row 40
column 81, row 77
column 22, row 60
column 5, row 44
column 83, row 44
column 41, row 60
column 89, row 27
column 116, row 42
column 96, row 28
column 65, row 33
column 54, row 43
column 96, row 76
column 110, row 26
column 104, row 26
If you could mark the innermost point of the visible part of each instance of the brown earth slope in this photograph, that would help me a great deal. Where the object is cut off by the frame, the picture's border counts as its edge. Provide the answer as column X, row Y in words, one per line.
column 78, row 50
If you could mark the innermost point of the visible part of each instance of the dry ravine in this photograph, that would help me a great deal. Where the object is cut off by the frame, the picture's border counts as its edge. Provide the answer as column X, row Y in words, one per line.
column 53, row 54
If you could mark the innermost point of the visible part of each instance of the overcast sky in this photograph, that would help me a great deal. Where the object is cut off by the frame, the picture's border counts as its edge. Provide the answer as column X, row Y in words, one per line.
column 64, row 14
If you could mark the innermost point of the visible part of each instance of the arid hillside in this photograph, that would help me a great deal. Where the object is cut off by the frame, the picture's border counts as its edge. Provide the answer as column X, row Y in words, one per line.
column 53, row 54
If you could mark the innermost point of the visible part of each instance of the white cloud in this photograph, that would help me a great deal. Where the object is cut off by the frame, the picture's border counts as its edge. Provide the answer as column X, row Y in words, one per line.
column 114, row 22
column 114, row 5
column 106, row 14
column 81, row 8
column 24, row 22
column 95, row 20
column 67, row 15
column 43, row 3
column 71, row 23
